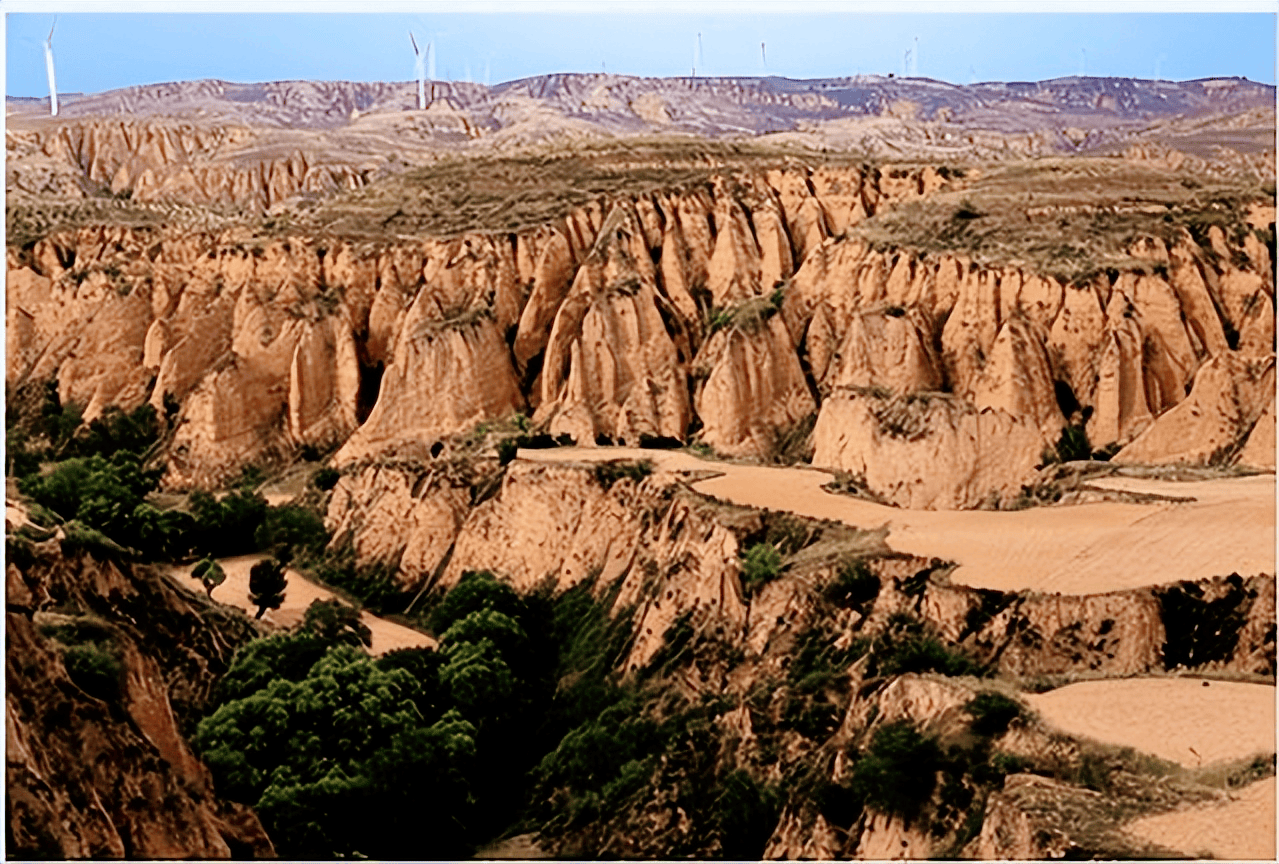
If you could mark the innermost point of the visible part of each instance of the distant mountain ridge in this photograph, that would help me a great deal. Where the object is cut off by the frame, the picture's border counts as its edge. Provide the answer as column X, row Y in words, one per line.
column 744, row 104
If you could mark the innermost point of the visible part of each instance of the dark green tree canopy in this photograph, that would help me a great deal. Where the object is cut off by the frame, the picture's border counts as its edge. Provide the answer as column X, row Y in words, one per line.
column 266, row 585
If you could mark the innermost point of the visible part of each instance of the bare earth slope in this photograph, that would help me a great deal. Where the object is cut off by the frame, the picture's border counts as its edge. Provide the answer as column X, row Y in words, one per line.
column 1081, row 549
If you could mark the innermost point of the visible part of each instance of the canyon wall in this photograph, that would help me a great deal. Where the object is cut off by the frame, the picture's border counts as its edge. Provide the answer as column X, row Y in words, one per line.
column 732, row 313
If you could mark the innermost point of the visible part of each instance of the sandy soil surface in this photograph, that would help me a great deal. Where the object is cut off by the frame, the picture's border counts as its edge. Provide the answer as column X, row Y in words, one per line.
column 1178, row 719
column 1241, row 828
column 1083, row 549
column 387, row 635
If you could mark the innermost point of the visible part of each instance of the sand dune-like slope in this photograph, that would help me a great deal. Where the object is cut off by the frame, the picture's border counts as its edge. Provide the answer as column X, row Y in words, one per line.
column 1082, row 549
column 1241, row 828
column 387, row 636
column 1186, row 720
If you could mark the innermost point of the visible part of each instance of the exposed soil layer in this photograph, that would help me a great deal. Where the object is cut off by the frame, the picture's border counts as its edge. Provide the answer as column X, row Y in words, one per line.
column 1083, row 549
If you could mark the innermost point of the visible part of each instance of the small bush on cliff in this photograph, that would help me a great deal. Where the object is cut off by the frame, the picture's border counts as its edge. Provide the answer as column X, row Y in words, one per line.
column 992, row 711
column 326, row 478
column 854, row 586
column 608, row 473
column 95, row 668
column 761, row 564
column 747, row 814
column 898, row 773
column 91, row 657
column 906, row 646
column 1073, row 445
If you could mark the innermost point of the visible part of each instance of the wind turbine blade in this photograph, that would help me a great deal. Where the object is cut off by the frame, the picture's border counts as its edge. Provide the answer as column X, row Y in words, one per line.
column 48, row 68
column 416, row 52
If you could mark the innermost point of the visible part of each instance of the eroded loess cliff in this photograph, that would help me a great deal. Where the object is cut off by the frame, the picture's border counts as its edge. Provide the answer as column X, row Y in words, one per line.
column 732, row 312
column 797, row 673
column 100, row 698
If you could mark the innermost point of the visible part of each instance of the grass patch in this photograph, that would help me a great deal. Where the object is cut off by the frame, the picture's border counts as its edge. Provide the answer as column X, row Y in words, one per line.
column 1072, row 218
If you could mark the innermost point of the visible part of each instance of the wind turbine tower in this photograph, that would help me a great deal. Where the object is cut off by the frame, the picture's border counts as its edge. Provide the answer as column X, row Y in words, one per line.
column 419, row 67
column 48, row 68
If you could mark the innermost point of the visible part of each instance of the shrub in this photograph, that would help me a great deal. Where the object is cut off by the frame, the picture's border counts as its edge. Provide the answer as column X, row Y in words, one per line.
column 853, row 587
column 905, row 647
column 374, row 586
column 227, row 527
column 326, row 478
column 1073, row 445
column 292, row 527
column 992, row 711
column 477, row 590
column 899, row 771
column 95, row 669
column 336, row 623
column 608, row 473
column 116, row 430
column 761, row 564
column 747, row 814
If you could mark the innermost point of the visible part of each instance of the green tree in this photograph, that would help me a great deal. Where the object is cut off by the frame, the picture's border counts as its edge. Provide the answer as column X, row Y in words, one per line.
column 335, row 622
column 476, row 590
column 343, row 763
column 266, row 585
column 210, row 573
column 992, row 712
column 478, row 680
column 226, row 527
column 293, row 527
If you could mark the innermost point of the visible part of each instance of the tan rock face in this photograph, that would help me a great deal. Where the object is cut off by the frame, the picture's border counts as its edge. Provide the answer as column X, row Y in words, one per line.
column 601, row 329
column 885, row 350
column 754, row 388
column 551, row 520
column 1016, row 378
column 612, row 366
column 1259, row 449
column 970, row 331
column 929, row 453
column 446, row 376
column 1229, row 393
column 405, row 521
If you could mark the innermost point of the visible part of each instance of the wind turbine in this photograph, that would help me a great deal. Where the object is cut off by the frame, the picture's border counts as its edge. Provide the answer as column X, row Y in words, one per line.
column 48, row 68
column 419, row 67
column 763, row 57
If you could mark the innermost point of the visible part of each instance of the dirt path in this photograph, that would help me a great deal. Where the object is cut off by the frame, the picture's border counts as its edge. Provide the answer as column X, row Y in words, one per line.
column 387, row 635
column 1178, row 719
column 1242, row 828
column 1083, row 549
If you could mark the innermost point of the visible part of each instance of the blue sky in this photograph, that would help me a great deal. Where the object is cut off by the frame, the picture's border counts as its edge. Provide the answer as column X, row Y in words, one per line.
column 96, row 52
